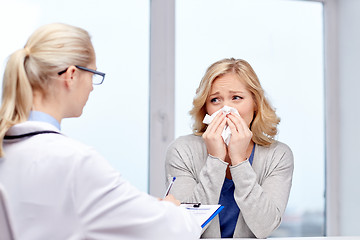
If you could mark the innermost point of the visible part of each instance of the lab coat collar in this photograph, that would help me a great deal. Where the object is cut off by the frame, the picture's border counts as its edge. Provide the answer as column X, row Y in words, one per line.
column 30, row 126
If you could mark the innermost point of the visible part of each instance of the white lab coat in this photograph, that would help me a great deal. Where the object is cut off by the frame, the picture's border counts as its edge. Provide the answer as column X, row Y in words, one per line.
column 59, row 188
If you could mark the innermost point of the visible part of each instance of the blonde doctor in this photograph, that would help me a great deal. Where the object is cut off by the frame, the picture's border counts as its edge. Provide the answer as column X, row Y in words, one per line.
column 57, row 187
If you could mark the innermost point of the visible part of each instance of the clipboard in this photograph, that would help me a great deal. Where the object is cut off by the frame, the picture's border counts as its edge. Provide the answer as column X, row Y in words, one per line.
column 203, row 213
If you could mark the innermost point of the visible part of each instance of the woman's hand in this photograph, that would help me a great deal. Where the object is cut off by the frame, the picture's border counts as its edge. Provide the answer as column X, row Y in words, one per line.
column 212, row 137
column 171, row 198
column 240, row 138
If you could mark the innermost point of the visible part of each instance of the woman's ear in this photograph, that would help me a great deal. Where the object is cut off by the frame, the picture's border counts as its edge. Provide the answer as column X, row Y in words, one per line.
column 70, row 76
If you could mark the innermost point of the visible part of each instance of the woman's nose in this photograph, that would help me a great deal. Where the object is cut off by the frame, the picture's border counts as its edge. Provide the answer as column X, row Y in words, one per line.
column 227, row 103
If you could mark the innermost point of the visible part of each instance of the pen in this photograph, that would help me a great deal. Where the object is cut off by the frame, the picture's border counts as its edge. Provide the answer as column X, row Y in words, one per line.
column 169, row 187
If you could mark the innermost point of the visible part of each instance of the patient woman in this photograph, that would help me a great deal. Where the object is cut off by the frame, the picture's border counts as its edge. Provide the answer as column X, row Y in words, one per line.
column 235, row 160
column 57, row 187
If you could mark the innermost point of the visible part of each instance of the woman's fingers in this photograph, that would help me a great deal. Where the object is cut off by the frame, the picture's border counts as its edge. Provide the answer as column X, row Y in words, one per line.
column 240, row 138
column 214, row 125
column 171, row 198
column 212, row 137
column 239, row 122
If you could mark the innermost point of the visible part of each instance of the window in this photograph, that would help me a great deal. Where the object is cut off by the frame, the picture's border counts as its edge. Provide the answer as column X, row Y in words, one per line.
column 283, row 41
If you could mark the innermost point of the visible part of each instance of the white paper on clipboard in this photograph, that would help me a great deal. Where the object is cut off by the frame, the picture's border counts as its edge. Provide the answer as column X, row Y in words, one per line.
column 203, row 213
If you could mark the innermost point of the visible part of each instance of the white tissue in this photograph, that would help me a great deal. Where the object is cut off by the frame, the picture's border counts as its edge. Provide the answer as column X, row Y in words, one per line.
column 226, row 133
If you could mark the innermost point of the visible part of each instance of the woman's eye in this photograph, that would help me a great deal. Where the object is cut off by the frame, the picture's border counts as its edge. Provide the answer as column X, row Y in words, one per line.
column 214, row 100
column 237, row 97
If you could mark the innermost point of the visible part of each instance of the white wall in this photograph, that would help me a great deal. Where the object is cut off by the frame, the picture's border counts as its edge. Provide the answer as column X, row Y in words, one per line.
column 349, row 129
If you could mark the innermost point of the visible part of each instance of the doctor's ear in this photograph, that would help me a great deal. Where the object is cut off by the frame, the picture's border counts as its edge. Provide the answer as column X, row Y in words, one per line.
column 69, row 76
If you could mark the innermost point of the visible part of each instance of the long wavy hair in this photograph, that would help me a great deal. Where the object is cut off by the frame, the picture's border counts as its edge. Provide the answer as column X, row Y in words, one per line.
column 265, row 120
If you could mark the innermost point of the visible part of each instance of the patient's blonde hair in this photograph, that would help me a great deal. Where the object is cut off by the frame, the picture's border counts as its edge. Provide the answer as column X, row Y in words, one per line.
column 265, row 121
column 49, row 50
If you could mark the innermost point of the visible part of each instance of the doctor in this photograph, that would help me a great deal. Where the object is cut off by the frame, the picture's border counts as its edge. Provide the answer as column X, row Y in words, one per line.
column 57, row 187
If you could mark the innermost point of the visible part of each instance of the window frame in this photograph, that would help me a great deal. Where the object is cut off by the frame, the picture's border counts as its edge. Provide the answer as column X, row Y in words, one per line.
column 162, row 101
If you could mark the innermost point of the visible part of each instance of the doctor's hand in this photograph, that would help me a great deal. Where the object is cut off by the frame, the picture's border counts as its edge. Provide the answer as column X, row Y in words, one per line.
column 212, row 137
column 171, row 198
column 240, row 138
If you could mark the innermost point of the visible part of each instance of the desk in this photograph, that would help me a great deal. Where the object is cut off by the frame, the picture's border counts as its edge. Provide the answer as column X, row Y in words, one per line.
column 299, row 238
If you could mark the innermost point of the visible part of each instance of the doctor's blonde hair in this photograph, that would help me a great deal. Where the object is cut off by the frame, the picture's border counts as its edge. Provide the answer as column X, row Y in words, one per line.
column 49, row 50
column 265, row 120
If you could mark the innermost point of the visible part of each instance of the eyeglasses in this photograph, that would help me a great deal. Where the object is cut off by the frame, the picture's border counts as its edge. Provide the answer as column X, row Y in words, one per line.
column 98, row 77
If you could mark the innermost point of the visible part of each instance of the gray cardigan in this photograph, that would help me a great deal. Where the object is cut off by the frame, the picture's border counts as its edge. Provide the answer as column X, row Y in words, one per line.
column 261, row 190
